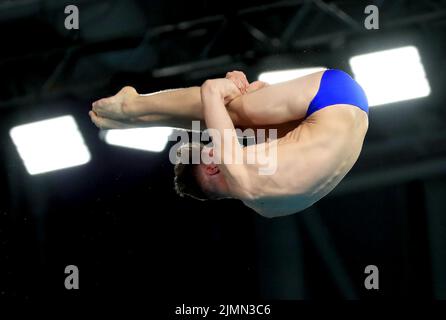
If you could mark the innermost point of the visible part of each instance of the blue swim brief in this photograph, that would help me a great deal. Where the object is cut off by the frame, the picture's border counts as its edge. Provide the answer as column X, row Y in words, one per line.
column 337, row 87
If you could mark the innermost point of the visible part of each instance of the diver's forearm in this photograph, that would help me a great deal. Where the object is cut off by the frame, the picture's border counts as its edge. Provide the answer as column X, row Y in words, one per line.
column 227, row 150
column 217, row 118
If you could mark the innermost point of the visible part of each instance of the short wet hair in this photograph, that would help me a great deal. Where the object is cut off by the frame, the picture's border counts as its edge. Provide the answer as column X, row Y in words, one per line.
column 186, row 182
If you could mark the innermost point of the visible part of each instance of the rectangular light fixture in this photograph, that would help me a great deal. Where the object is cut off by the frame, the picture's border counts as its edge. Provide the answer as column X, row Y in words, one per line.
column 391, row 75
column 148, row 139
column 50, row 145
column 278, row 76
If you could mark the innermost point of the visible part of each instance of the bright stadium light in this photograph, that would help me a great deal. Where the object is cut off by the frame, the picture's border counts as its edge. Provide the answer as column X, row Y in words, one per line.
column 273, row 77
column 391, row 75
column 50, row 145
column 149, row 139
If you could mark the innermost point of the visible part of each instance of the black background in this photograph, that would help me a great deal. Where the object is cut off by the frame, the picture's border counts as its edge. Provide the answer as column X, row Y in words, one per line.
column 118, row 219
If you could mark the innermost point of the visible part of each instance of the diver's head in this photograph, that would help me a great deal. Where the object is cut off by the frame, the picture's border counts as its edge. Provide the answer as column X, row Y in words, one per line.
column 200, row 181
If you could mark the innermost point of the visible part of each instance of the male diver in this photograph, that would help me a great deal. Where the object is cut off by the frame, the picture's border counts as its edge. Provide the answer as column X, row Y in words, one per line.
column 321, row 118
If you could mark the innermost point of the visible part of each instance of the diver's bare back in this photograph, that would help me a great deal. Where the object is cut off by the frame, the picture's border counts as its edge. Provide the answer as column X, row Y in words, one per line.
column 311, row 160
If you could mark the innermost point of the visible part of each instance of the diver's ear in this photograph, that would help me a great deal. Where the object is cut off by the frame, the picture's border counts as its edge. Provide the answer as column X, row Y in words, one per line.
column 212, row 169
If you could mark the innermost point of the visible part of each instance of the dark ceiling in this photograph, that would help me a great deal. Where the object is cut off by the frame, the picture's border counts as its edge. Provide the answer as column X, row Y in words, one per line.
column 193, row 39
column 119, row 218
